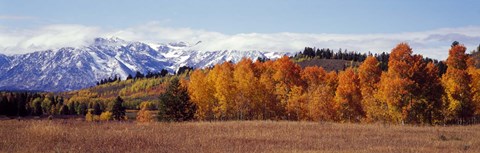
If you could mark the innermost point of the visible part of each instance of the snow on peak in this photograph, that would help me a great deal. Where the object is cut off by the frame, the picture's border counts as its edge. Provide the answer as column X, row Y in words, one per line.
column 71, row 68
column 179, row 44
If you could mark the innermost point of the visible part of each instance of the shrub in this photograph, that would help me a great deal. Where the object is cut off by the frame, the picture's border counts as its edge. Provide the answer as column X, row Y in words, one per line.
column 106, row 116
column 145, row 115
column 89, row 117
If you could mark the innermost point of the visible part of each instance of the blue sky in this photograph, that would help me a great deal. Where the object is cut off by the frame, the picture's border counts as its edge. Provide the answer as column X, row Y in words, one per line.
column 245, row 16
column 328, row 19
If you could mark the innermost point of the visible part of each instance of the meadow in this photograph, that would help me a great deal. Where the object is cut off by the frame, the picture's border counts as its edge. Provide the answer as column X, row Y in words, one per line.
column 68, row 135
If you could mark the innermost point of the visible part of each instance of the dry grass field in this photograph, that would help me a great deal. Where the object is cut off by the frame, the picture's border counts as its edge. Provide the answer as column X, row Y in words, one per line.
column 232, row 136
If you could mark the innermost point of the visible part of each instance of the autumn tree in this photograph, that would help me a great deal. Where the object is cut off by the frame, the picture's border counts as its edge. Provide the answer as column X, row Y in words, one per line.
column 47, row 105
column 319, row 93
column 225, row 90
column 245, row 83
column 314, row 77
column 456, row 82
column 425, row 105
column 321, row 97
column 286, row 76
column 473, row 63
column 475, row 87
column 395, row 83
column 201, row 92
column 81, row 109
column 369, row 74
column 37, row 106
column 271, row 107
column 348, row 96
column 145, row 113
column 297, row 106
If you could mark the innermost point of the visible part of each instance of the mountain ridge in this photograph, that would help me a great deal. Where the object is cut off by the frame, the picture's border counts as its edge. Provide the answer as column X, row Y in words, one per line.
column 72, row 68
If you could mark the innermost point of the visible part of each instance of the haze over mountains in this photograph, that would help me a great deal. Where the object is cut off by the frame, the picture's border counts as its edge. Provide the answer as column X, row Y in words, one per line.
column 71, row 68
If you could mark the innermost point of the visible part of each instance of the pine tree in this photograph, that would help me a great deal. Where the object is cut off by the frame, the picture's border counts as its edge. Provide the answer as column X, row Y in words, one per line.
column 118, row 111
column 175, row 103
column 129, row 77
column 96, row 110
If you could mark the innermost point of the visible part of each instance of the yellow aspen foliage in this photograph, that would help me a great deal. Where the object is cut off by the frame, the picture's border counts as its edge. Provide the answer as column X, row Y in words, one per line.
column 287, row 75
column 456, row 82
column 474, row 72
column 321, row 103
column 201, row 93
column 297, row 107
column 145, row 113
column 225, row 90
column 89, row 117
column 394, row 93
column 271, row 108
column 475, row 87
column 322, row 99
column 245, row 83
column 320, row 92
column 348, row 97
column 369, row 74
column 474, row 83
column 106, row 116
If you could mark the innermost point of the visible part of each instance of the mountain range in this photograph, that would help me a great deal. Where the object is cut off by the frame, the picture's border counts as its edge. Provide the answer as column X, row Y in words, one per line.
column 72, row 68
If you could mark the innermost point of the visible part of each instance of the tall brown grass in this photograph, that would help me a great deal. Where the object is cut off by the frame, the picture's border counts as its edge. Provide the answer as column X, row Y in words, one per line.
column 232, row 136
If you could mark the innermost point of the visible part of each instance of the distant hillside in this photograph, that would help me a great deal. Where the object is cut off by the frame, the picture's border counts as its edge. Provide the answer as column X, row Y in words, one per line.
column 133, row 91
column 328, row 64
column 332, row 60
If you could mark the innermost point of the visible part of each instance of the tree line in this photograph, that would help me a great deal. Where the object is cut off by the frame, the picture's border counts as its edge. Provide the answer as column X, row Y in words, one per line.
column 411, row 90
column 38, row 104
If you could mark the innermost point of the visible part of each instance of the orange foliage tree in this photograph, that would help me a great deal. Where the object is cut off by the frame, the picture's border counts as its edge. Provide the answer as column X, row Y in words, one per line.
column 348, row 97
column 369, row 74
column 456, row 82
column 286, row 76
column 320, row 93
column 426, row 103
column 394, row 85
column 475, row 87
column 271, row 109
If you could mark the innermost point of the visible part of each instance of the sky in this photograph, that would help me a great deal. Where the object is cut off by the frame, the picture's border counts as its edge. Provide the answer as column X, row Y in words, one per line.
column 271, row 25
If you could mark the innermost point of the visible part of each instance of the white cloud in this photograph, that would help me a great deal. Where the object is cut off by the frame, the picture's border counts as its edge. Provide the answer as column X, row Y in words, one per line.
column 433, row 43
column 15, row 17
column 14, row 41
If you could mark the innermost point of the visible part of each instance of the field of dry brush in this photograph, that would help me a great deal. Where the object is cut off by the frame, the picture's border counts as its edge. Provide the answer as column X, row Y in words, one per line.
column 232, row 136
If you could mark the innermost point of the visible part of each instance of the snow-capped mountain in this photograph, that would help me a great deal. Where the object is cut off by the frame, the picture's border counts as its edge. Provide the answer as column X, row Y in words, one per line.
column 75, row 68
